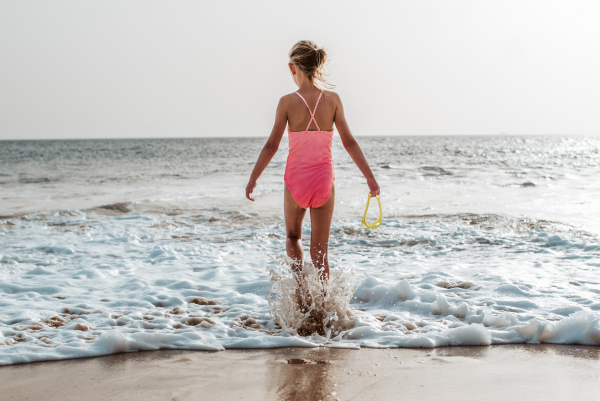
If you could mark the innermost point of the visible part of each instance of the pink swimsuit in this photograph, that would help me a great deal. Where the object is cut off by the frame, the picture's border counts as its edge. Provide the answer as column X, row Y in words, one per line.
column 309, row 170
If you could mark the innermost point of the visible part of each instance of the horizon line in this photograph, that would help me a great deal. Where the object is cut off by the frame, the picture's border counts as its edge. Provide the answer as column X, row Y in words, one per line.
column 502, row 134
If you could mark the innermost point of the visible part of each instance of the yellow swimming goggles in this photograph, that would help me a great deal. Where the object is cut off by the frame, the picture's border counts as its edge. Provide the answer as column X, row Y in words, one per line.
column 377, row 222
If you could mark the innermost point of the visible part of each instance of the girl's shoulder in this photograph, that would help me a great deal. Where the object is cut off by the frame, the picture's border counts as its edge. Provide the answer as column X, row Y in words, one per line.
column 293, row 97
column 331, row 95
column 288, row 97
column 334, row 96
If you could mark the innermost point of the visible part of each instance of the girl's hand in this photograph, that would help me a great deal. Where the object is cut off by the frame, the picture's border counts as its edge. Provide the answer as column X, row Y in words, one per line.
column 373, row 187
column 249, row 188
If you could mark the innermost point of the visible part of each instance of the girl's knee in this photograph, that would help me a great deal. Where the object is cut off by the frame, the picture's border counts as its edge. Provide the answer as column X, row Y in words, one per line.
column 294, row 237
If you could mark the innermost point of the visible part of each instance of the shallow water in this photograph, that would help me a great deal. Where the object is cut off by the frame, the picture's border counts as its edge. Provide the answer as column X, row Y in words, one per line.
column 109, row 246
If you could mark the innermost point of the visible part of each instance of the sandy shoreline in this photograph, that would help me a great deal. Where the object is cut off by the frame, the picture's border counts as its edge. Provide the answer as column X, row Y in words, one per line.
column 549, row 372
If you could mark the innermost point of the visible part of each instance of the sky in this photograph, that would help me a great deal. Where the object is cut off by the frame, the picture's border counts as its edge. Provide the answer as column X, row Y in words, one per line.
column 147, row 68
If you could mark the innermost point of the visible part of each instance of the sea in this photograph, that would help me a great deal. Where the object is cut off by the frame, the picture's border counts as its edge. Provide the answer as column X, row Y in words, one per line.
column 121, row 245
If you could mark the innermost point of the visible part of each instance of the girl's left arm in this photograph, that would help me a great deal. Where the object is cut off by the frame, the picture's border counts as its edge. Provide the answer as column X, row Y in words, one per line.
column 270, row 147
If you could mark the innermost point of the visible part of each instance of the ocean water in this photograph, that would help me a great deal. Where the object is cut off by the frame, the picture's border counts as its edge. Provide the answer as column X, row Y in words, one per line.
column 120, row 245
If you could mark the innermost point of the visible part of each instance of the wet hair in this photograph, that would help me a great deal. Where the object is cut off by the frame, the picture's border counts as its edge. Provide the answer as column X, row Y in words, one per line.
column 310, row 59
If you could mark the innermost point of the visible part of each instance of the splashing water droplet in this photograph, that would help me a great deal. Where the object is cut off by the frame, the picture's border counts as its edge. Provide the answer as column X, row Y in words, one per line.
column 305, row 305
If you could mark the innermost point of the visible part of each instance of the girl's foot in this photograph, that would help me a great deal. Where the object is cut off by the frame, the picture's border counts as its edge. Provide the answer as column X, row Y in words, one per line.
column 303, row 300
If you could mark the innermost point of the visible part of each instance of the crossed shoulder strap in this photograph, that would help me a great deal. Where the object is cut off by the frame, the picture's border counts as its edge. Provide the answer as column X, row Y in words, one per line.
column 312, row 113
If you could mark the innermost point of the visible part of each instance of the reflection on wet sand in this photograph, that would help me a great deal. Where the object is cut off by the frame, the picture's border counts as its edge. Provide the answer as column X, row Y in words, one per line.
column 304, row 374
column 329, row 374
column 527, row 372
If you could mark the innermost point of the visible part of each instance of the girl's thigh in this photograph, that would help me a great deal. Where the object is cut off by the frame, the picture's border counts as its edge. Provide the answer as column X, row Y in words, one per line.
column 294, row 214
column 320, row 221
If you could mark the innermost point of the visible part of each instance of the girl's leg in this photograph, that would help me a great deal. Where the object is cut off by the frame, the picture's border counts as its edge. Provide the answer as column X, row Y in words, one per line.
column 320, row 220
column 294, row 215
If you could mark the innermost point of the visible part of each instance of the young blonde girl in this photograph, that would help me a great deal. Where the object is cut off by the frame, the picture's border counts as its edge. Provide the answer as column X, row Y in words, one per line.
column 309, row 114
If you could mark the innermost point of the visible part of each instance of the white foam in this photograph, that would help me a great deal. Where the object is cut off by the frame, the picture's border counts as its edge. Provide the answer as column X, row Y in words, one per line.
column 205, row 286
column 184, row 263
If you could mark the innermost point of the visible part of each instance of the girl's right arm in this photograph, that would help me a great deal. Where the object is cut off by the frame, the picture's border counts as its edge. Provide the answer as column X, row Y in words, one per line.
column 270, row 147
column 353, row 148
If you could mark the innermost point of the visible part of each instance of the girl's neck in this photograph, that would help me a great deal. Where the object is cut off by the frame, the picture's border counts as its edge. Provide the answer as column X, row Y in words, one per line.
column 306, row 86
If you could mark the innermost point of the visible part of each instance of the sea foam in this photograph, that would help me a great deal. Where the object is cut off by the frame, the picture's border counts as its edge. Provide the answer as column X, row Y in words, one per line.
column 118, row 246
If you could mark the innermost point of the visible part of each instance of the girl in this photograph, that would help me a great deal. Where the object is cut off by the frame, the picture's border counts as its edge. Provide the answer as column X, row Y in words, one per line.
column 309, row 114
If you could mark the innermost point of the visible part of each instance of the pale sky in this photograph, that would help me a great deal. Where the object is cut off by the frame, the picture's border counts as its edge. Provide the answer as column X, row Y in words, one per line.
column 147, row 68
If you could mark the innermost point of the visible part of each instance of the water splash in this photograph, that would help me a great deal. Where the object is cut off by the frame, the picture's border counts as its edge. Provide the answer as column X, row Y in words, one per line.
column 306, row 305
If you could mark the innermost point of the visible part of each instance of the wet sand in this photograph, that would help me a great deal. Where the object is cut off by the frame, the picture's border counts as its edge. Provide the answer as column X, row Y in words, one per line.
column 529, row 372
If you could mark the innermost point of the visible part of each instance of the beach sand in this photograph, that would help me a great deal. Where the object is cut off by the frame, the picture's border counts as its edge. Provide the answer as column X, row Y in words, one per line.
column 529, row 372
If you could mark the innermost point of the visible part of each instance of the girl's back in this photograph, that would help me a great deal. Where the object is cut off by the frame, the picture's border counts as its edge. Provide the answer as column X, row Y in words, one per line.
column 298, row 115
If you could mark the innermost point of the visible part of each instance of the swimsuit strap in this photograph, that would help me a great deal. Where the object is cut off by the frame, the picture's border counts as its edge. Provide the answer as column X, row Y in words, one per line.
column 312, row 113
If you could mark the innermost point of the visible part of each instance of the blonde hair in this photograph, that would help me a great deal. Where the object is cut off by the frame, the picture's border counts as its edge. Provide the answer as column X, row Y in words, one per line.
column 310, row 59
